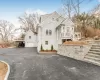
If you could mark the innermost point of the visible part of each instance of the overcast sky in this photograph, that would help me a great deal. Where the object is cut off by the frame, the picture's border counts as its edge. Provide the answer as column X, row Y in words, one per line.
column 11, row 9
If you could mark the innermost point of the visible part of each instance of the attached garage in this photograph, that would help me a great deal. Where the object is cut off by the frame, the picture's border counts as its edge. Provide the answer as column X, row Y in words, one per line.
column 29, row 44
column 30, row 39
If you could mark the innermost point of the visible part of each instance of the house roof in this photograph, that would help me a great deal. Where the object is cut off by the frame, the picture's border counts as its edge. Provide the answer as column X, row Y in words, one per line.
column 30, row 31
column 44, row 17
column 18, row 40
column 58, row 19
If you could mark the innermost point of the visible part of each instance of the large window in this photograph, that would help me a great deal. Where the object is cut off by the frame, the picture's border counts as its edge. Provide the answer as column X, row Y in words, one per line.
column 48, row 32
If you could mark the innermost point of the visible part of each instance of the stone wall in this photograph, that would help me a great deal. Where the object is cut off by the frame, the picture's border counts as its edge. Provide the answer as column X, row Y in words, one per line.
column 73, row 51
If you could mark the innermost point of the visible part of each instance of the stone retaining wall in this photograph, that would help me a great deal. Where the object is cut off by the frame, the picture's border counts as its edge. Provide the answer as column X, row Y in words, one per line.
column 73, row 51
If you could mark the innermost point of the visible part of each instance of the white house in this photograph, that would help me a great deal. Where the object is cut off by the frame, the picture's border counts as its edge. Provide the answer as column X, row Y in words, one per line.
column 53, row 29
column 30, row 39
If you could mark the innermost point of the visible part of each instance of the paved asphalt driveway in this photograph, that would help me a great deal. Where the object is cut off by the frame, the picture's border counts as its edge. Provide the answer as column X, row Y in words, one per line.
column 26, row 64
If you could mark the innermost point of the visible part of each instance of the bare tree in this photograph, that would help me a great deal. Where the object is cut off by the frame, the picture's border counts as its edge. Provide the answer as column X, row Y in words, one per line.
column 29, row 21
column 6, row 30
column 67, row 7
column 73, row 6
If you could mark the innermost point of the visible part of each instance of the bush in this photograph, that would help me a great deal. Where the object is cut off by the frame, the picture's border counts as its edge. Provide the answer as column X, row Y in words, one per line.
column 42, row 48
column 52, row 48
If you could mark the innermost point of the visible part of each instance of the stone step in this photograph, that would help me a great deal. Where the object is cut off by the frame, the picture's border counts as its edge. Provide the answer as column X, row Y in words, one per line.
column 97, row 50
column 95, row 47
column 92, row 61
column 92, row 58
column 93, row 55
column 93, row 52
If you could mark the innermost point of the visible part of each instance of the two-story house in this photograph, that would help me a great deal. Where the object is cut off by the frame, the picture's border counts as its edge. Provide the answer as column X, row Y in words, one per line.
column 54, row 29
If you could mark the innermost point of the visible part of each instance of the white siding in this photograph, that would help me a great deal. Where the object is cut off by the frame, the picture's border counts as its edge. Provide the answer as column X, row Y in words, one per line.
column 51, row 23
column 52, row 39
column 30, row 39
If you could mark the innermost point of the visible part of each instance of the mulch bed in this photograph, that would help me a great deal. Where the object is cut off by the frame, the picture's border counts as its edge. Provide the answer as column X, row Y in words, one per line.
column 3, row 70
column 48, row 51
column 75, row 43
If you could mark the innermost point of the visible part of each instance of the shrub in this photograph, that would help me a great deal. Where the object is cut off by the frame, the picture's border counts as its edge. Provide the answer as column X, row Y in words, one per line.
column 52, row 48
column 42, row 48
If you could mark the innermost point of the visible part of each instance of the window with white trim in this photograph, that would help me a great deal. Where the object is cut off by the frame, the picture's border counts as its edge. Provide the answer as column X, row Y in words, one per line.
column 46, row 42
column 29, row 37
column 46, row 32
column 50, row 32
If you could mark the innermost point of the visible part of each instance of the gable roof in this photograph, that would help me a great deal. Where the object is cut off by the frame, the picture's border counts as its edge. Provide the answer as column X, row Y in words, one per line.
column 29, row 31
column 67, row 21
column 45, row 17
column 58, row 19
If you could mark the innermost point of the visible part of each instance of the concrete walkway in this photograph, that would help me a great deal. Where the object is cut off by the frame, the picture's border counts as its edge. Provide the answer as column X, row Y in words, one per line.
column 26, row 64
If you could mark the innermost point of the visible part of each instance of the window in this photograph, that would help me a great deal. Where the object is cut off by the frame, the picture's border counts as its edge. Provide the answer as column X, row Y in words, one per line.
column 50, row 32
column 46, row 42
column 67, row 34
column 63, row 29
column 62, row 34
column 68, row 29
column 29, row 37
column 76, row 35
column 46, row 32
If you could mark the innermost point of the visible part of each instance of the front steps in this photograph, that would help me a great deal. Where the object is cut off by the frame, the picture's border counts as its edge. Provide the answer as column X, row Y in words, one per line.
column 93, row 56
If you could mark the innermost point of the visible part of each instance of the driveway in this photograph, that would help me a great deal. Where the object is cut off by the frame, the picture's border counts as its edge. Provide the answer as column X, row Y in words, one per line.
column 26, row 64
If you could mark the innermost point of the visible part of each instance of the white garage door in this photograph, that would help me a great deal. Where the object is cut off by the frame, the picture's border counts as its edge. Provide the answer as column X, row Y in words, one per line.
column 30, row 45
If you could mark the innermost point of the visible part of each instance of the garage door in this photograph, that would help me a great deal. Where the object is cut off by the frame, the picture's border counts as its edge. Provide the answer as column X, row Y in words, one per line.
column 30, row 45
